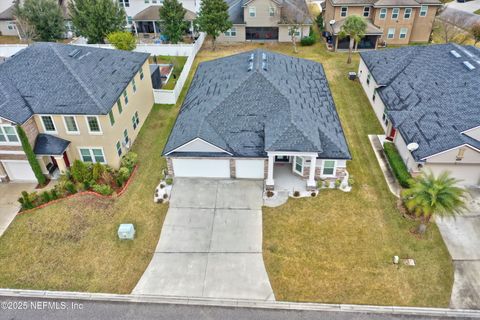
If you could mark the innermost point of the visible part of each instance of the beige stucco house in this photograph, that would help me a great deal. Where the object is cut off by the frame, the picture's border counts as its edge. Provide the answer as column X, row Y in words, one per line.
column 427, row 101
column 73, row 103
column 394, row 22
column 266, row 20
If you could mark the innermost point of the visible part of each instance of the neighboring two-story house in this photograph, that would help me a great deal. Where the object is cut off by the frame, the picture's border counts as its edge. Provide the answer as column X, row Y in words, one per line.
column 427, row 100
column 73, row 103
column 266, row 20
column 395, row 22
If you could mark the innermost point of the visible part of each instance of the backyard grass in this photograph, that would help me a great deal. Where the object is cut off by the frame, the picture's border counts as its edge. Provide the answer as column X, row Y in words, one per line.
column 338, row 247
column 477, row 12
column 178, row 63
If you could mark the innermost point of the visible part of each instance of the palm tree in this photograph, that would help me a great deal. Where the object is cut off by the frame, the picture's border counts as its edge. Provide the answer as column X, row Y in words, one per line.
column 430, row 195
column 354, row 27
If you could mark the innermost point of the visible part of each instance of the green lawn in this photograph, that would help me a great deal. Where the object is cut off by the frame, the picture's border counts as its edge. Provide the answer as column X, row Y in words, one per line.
column 178, row 63
column 477, row 11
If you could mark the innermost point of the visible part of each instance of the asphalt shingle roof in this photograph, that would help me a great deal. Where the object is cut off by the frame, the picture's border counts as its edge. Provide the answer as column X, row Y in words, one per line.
column 287, row 107
column 430, row 95
column 49, row 145
column 387, row 3
column 45, row 78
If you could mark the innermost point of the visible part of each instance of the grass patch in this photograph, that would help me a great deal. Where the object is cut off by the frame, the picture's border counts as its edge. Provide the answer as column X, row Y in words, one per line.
column 396, row 163
column 178, row 63
column 338, row 247
column 477, row 12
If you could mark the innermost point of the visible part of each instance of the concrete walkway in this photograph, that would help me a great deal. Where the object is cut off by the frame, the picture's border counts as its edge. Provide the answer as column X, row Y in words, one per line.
column 462, row 237
column 392, row 182
column 211, row 243
column 9, row 205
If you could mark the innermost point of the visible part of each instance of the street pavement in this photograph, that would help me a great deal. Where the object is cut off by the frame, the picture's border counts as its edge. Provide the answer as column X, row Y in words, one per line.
column 53, row 309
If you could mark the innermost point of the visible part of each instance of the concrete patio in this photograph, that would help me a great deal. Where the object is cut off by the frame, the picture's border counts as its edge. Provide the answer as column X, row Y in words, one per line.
column 211, row 243
column 286, row 180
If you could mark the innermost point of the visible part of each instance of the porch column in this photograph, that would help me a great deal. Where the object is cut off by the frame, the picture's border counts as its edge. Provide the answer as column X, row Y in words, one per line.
column 42, row 165
column 61, row 164
column 154, row 29
column 311, row 175
column 271, row 161
column 135, row 28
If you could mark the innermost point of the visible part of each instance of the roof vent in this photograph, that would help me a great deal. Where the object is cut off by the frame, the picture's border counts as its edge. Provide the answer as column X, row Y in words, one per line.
column 468, row 65
column 251, row 57
column 264, row 66
column 74, row 53
column 250, row 66
column 455, row 54
column 264, row 56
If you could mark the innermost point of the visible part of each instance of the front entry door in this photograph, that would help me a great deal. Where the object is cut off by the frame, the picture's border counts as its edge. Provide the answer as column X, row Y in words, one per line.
column 298, row 163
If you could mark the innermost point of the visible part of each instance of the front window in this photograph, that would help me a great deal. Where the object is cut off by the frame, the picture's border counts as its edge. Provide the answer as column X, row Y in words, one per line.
column 92, row 155
column 118, row 146
column 423, row 11
column 135, row 121
column 93, row 125
column 391, row 33
column 407, row 14
column 252, row 12
column 232, row 32
column 343, row 11
column 395, row 12
column 48, row 124
column 383, row 13
column 328, row 168
column 403, row 33
column 71, row 124
column 111, row 117
column 125, row 137
column 366, row 11
column 293, row 30
column 271, row 11
column 299, row 165
column 8, row 134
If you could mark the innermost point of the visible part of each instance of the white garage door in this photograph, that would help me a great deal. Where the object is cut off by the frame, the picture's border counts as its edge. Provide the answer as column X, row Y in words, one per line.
column 204, row 168
column 19, row 171
column 249, row 169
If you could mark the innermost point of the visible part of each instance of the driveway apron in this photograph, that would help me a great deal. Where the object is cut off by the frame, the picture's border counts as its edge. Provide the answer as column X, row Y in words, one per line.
column 211, row 243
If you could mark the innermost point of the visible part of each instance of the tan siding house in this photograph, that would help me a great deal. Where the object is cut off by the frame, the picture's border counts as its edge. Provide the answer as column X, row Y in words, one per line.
column 97, row 121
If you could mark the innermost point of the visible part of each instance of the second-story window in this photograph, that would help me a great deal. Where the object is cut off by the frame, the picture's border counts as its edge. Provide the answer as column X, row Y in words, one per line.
column 366, row 11
column 93, row 124
column 383, row 13
column 8, row 134
column 141, row 74
column 271, row 11
column 134, row 85
column 119, row 105
column 423, row 11
column 125, row 96
column 70, row 124
column 395, row 13
column 368, row 79
column 124, row 3
column 252, row 12
column 407, row 14
column 343, row 11
column 48, row 124
column 111, row 117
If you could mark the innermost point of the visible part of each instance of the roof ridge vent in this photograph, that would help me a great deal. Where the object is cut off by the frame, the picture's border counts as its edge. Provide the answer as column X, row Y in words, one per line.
column 264, row 65
column 468, row 65
column 250, row 66
column 455, row 54
column 252, row 56
column 74, row 53
column 264, row 56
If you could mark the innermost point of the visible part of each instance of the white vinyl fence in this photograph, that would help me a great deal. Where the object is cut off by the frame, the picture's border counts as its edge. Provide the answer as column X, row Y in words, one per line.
column 8, row 50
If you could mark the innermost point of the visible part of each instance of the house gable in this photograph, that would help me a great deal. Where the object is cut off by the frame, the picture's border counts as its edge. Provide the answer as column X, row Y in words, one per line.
column 460, row 154
column 198, row 145
column 473, row 133
column 262, row 16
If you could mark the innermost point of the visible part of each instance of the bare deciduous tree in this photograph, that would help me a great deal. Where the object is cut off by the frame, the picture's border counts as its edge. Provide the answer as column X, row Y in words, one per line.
column 449, row 27
column 295, row 18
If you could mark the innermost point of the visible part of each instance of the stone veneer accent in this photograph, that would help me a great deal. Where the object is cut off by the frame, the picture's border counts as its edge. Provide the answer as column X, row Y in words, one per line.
column 170, row 167
column 31, row 130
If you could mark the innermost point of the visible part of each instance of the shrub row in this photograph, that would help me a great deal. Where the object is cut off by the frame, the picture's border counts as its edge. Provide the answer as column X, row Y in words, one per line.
column 396, row 163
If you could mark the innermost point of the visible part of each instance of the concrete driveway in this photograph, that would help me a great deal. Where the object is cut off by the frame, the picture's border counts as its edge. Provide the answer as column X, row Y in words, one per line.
column 211, row 243
column 9, row 206
column 469, row 6
column 462, row 237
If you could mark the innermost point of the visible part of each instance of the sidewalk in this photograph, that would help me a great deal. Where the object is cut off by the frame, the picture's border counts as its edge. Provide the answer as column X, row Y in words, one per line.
column 384, row 166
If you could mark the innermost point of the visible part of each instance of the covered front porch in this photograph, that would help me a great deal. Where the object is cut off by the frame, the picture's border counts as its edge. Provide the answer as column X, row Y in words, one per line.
column 52, row 155
column 293, row 171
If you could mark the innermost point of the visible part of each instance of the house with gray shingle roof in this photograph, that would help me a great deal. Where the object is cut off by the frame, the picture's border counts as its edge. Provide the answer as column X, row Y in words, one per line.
column 427, row 100
column 267, row 20
column 389, row 22
column 251, row 114
column 74, row 103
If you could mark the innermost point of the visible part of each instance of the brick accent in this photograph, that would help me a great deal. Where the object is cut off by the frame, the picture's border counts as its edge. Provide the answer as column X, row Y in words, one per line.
column 170, row 167
column 31, row 130
column 233, row 172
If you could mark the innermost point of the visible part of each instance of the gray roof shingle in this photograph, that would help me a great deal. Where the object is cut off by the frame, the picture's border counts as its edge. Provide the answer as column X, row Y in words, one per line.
column 287, row 107
column 430, row 96
column 49, row 145
column 45, row 79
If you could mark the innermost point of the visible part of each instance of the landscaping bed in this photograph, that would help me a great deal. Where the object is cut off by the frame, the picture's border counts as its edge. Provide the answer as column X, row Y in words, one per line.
column 396, row 163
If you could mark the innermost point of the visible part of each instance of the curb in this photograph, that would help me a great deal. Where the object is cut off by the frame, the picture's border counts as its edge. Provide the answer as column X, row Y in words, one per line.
column 257, row 304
